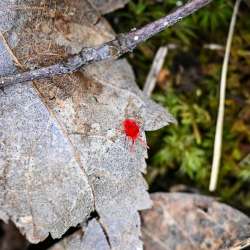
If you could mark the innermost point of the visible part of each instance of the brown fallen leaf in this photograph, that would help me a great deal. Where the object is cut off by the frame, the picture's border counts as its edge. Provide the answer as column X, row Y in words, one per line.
column 10, row 238
column 163, row 78
column 180, row 221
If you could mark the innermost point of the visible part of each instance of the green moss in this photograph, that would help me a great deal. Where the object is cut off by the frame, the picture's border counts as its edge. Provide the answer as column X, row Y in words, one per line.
column 183, row 153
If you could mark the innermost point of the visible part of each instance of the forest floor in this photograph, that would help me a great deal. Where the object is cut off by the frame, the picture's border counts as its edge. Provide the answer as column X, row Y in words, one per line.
column 180, row 156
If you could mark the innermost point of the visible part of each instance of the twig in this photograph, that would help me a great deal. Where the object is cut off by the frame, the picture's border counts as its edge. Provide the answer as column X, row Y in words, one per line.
column 241, row 245
column 110, row 50
column 220, row 118
column 155, row 70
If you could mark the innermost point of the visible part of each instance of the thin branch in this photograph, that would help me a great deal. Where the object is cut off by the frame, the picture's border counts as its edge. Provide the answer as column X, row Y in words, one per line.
column 220, row 118
column 241, row 245
column 110, row 50
column 155, row 70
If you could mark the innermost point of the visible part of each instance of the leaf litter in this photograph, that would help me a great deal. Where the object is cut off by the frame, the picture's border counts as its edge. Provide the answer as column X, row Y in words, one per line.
column 61, row 157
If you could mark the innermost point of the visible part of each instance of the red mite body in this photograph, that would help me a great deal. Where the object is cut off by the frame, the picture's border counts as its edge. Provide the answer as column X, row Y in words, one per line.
column 131, row 129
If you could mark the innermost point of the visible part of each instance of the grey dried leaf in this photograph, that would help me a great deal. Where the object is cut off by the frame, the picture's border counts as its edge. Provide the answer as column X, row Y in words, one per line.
column 88, row 238
column 190, row 221
column 92, row 237
column 107, row 6
column 63, row 154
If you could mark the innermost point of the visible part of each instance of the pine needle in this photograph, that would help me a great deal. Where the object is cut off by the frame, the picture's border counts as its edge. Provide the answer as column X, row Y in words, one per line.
column 220, row 118
column 155, row 70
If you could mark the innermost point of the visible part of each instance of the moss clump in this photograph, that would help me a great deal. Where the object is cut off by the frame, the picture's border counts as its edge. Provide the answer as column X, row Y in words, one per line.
column 188, row 86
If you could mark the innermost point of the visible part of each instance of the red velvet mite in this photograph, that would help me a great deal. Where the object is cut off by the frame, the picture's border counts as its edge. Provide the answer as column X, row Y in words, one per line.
column 132, row 131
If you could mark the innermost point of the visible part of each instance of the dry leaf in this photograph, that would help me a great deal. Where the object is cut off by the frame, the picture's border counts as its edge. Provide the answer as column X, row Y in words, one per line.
column 191, row 221
column 62, row 152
